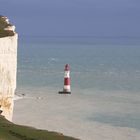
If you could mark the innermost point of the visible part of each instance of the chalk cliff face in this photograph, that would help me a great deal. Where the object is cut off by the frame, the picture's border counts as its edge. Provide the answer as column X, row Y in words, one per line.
column 8, row 67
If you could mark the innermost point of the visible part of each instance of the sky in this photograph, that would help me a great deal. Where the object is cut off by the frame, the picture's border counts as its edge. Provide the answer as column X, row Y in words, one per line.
column 101, row 18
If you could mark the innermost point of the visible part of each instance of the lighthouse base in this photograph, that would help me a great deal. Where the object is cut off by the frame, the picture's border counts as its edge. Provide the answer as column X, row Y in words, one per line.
column 64, row 92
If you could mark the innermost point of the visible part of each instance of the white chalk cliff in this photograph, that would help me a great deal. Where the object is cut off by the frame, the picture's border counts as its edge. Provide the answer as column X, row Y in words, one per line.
column 8, row 66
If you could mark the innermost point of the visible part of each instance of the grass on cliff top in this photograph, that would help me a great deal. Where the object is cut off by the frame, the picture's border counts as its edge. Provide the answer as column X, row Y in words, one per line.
column 10, row 131
column 4, row 33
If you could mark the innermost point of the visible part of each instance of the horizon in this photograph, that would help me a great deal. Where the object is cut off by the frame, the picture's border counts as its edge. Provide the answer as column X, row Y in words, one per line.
column 74, row 18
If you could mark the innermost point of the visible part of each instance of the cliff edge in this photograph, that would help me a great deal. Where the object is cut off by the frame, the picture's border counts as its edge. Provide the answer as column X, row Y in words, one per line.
column 6, row 28
column 8, row 66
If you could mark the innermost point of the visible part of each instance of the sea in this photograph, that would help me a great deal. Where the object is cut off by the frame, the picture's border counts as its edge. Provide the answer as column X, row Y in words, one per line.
column 105, row 86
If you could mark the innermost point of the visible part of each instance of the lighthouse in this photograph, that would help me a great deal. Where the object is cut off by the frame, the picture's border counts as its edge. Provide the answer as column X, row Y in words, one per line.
column 66, row 88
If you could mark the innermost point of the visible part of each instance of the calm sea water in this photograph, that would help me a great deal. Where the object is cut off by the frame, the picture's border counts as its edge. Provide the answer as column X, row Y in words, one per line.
column 93, row 66
column 100, row 72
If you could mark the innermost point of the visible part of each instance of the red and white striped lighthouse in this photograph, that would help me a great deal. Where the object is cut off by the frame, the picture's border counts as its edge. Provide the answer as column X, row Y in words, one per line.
column 66, row 88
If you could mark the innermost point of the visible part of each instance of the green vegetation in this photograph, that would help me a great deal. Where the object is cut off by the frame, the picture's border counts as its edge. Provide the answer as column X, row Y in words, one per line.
column 10, row 131
column 3, row 25
column 4, row 33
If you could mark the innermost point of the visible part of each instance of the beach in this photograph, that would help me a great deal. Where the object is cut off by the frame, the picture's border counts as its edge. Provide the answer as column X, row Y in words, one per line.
column 64, row 114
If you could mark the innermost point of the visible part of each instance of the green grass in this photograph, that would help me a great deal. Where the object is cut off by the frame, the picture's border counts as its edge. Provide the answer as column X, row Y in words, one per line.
column 10, row 131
